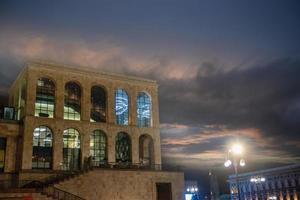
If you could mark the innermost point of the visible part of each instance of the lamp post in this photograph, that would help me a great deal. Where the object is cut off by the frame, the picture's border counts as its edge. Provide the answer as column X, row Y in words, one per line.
column 234, row 158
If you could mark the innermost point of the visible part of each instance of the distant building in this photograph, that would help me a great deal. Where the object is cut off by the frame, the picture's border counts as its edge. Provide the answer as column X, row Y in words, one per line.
column 191, row 190
column 214, row 186
column 63, row 120
column 281, row 183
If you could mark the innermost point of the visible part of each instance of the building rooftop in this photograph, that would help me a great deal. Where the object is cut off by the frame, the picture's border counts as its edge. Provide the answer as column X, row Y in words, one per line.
column 85, row 69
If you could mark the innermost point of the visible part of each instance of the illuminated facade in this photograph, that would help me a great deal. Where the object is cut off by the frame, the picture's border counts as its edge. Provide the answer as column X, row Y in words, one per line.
column 67, row 118
column 281, row 183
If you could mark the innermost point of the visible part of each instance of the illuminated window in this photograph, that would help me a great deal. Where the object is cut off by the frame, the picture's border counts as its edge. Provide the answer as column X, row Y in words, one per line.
column 98, row 145
column 143, row 110
column 42, row 148
column 146, row 150
column 71, row 149
column 123, row 147
column 45, row 98
column 72, row 105
column 98, row 103
column 121, row 107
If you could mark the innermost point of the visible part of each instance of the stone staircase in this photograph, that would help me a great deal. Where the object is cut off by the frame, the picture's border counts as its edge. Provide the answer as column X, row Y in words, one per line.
column 42, row 190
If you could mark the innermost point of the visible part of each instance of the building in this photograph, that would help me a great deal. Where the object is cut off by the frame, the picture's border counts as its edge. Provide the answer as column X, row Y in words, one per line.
column 281, row 183
column 214, row 186
column 191, row 190
column 62, row 119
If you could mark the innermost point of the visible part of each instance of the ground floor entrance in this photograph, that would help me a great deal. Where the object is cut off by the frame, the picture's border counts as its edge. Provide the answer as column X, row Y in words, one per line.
column 164, row 191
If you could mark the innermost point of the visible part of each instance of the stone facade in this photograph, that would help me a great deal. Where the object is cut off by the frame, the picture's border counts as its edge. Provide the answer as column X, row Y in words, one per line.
column 86, row 79
column 19, row 151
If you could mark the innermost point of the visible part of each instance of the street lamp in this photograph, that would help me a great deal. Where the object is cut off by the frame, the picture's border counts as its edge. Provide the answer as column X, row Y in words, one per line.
column 234, row 157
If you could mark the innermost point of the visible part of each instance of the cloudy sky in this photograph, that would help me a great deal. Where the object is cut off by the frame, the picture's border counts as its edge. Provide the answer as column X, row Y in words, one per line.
column 227, row 70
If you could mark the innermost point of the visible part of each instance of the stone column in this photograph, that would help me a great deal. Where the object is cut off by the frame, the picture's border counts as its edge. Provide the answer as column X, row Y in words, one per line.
column 155, row 109
column 85, row 145
column 85, row 100
column 59, row 98
column 27, row 143
column 111, row 119
column 157, row 148
column 280, row 195
column 10, row 154
column 57, row 149
column 288, row 197
column 133, row 106
column 111, row 140
column 295, row 196
column 31, row 94
column 135, row 148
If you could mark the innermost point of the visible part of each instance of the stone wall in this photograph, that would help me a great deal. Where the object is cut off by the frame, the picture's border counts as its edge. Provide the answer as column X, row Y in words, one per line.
column 10, row 131
column 103, row 184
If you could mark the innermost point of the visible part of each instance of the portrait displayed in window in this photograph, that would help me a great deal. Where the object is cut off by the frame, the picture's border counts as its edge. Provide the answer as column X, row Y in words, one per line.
column 143, row 110
column 121, row 107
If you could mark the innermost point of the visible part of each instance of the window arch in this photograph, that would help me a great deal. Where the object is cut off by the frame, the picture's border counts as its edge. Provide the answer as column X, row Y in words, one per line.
column 45, row 98
column 121, row 106
column 72, row 103
column 143, row 110
column 123, row 147
column 42, row 148
column 98, row 147
column 146, row 150
column 98, row 104
column 71, row 149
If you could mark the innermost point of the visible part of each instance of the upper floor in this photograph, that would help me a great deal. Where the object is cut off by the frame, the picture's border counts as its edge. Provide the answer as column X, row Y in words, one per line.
column 47, row 90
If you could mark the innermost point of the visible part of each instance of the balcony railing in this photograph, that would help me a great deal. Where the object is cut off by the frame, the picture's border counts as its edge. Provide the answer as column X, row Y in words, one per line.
column 123, row 165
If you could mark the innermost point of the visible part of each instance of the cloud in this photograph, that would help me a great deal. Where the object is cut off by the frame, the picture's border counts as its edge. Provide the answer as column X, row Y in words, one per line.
column 103, row 54
column 202, row 106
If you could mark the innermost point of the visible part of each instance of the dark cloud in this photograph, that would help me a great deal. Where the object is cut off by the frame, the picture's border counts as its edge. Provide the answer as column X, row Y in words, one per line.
column 264, row 96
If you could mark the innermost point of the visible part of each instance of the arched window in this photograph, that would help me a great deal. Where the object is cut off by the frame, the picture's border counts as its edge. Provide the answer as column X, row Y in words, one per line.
column 42, row 148
column 121, row 107
column 123, row 147
column 45, row 98
column 143, row 110
column 71, row 149
column 98, row 147
column 98, row 104
column 72, row 105
column 146, row 150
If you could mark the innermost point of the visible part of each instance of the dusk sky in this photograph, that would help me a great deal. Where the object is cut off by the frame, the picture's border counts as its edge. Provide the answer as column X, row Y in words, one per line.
column 226, row 69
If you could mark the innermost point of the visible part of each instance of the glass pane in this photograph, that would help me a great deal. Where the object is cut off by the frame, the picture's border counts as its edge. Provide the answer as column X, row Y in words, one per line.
column 45, row 98
column 123, row 148
column 72, row 104
column 98, row 104
column 121, row 107
column 42, row 147
column 143, row 110
column 71, row 149
column 98, row 147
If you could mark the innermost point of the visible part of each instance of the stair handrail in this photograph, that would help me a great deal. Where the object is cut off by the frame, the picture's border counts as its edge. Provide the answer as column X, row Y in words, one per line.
column 60, row 194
